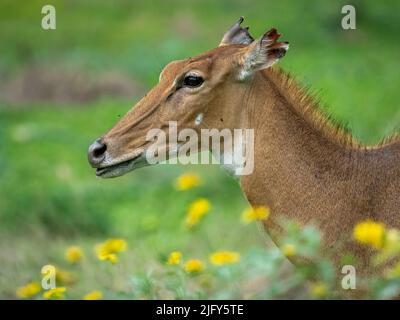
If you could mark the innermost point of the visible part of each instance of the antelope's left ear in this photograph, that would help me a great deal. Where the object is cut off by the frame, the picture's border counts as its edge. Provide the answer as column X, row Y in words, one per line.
column 261, row 54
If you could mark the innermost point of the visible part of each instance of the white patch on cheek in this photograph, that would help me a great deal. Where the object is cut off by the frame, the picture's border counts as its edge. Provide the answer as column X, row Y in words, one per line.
column 198, row 119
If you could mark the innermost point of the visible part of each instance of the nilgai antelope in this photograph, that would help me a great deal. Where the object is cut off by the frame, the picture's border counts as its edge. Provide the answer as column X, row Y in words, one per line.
column 306, row 168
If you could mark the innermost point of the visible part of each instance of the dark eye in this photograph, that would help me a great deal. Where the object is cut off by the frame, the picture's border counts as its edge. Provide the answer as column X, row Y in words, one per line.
column 192, row 81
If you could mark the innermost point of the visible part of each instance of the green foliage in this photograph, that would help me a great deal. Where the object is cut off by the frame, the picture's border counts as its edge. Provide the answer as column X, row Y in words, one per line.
column 50, row 197
column 259, row 274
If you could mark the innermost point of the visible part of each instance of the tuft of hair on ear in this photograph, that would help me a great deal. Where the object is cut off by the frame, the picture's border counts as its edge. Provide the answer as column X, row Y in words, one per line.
column 274, row 49
column 263, row 53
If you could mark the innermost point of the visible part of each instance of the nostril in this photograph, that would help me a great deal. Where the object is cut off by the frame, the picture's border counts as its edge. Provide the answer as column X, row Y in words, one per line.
column 99, row 150
column 96, row 152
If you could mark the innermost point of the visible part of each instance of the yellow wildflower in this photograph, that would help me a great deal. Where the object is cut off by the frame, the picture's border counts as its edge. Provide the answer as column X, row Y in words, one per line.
column 392, row 238
column 224, row 257
column 94, row 295
column 64, row 277
column 29, row 290
column 74, row 254
column 115, row 245
column 369, row 232
column 194, row 266
column 196, row 211
column 390, row 247
column 187, row 181
column 318, row 290
column 256, row 213
column 174, row 258
column 112, row 257
column 56, row 293
column 289, row 250
column 108, row 250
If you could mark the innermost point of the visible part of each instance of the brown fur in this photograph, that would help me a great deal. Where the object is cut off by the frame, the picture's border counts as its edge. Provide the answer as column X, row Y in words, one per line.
column 309, row 170
column 306, row 168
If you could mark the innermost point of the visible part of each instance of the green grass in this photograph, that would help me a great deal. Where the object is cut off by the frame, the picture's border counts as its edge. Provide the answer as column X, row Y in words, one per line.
column 50, row 197
column 47, row 150
column 52, row 192
column 355, row 71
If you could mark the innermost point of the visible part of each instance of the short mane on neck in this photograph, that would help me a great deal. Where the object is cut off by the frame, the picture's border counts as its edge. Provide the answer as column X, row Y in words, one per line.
column 307, row 107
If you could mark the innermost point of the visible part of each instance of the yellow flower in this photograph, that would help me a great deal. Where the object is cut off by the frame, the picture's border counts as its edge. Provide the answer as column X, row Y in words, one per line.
column 196, row 211
column 115, row 245
column 187, row 181
column 64, row 277
column 112, row 257
column 194, row 266
column 256, row 213
column 174, row 258
column 318, row 290
column 108, row 250
column 392, row 238
column 94, row 295
column 369, row 232
column 29, row 290
column 56, row 293
column 289, row 250
column 390, row 247
column 74, row 254
column 224, row 257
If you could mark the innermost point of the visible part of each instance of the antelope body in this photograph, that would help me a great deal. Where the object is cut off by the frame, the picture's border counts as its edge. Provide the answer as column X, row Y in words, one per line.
column 305, row 168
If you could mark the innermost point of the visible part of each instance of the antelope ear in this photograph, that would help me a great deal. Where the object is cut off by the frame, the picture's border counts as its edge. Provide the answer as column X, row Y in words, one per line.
column 262, row 54
column 237, row 35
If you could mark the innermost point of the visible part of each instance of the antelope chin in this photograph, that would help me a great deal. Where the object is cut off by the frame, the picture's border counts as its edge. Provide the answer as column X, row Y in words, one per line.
column 119, row 169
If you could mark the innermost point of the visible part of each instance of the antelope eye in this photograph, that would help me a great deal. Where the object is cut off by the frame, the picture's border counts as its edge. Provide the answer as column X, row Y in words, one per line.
column 192, row 81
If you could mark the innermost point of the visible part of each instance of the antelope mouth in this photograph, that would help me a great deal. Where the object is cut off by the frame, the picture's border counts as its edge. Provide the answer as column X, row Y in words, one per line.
column 121, row 168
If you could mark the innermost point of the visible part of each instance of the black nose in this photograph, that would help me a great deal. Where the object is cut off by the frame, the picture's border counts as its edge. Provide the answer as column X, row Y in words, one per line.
column 96, row 152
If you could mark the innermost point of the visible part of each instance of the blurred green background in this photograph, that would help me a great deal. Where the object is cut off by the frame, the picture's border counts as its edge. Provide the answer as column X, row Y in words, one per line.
column 61, row 89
